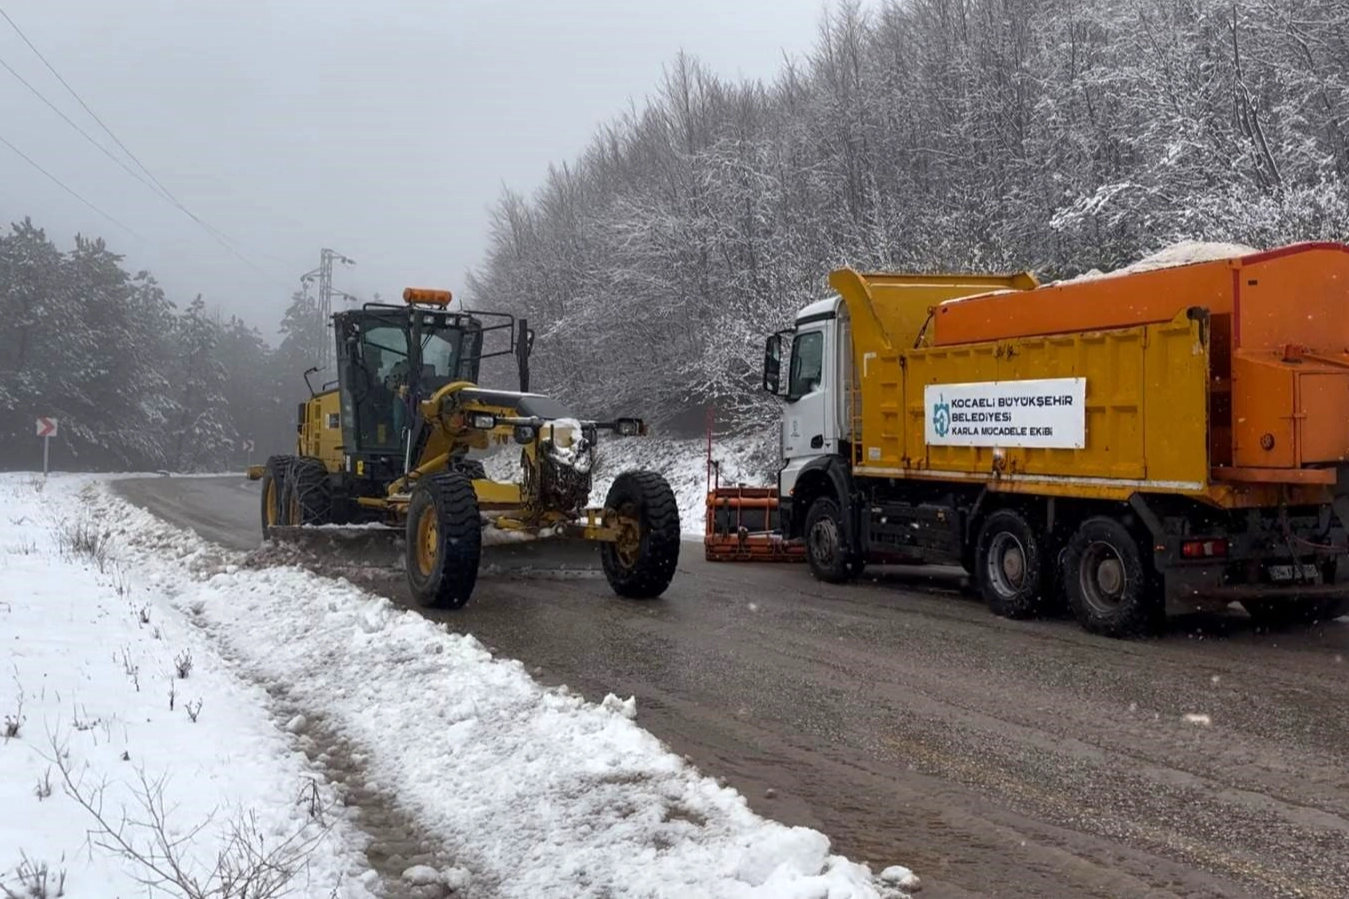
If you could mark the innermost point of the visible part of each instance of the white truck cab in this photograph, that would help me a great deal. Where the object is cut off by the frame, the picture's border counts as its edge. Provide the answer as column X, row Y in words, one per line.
column 815, row 421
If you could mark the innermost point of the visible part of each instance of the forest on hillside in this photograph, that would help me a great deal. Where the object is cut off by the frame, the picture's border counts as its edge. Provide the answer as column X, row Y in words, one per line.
column 1050, row 135
column 137, row 381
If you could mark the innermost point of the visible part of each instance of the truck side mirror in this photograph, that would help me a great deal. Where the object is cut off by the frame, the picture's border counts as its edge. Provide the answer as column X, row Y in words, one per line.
column 772, row 365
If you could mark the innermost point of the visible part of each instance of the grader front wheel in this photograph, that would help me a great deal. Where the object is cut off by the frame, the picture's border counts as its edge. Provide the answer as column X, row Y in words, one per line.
column 642, row 562
column 444, row 540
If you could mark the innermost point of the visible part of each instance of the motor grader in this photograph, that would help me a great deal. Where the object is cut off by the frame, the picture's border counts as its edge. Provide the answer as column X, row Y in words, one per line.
column 384, row 451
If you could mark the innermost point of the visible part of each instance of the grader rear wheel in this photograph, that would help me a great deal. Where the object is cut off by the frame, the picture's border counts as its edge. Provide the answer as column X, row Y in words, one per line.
column 642, row 562
column 444, row 541
column 308, row 493
column 274, row 477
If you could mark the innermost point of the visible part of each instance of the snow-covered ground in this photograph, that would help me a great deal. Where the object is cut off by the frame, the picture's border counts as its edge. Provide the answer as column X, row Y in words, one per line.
column 519, row 790
column 106, row 684
column 682, row 461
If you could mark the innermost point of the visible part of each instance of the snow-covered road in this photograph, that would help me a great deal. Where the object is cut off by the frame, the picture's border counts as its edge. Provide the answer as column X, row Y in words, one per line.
column 520, row 790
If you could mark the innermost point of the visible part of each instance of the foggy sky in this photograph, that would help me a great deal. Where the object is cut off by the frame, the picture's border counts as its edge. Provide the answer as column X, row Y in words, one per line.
column 382, row 130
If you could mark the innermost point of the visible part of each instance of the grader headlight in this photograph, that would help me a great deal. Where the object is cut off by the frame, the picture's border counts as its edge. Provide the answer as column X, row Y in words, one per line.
column 630, row 427
column 482, row 421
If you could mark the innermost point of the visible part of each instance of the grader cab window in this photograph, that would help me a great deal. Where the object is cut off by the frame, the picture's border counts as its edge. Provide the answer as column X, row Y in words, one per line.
column 376, row 373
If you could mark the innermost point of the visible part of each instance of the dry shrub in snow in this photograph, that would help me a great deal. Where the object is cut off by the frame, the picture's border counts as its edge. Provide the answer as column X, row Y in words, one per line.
column 32, row 880
column 245, row 865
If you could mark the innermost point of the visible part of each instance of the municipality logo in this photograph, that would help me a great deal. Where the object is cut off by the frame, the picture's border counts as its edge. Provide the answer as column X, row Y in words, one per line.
column 941, row 417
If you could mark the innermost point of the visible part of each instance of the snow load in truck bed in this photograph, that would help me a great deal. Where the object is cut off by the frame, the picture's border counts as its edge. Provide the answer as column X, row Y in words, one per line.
column 1186, row 252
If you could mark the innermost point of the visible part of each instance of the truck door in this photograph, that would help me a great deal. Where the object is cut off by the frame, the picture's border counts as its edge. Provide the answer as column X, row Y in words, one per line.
column 808, row 415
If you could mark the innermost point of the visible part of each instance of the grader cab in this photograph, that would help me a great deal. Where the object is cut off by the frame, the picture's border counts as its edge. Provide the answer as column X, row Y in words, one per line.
column 384, row 453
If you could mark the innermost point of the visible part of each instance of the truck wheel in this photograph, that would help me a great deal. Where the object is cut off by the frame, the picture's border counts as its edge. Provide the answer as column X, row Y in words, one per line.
column 274, row 491
column 309, row 493
column 830, row 559
column 1010, row 566
column 444, row 540
column 1110, row 587
column 642, row 562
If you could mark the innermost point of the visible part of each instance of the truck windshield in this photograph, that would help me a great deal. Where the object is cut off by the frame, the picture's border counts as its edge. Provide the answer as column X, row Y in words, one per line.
column 807, row 363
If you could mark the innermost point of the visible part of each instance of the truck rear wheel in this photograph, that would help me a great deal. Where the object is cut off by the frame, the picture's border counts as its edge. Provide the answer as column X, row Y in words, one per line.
column 831, row 559
column 274, row 491
column 444, row 541
column 1110, row 586
column 641, row 564
column 1010, row 567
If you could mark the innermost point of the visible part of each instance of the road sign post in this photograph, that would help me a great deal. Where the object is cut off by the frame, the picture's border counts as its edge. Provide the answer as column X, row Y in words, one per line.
column 46, row 429
column 248, row 450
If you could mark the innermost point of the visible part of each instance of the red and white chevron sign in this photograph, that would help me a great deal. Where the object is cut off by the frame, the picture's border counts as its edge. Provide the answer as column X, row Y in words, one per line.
column 46, row 427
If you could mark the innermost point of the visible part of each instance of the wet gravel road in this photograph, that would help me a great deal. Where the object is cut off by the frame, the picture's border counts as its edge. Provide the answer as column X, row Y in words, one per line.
column 996, row 758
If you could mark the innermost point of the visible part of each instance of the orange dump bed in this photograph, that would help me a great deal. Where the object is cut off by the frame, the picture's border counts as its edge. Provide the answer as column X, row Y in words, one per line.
column 1279, row 390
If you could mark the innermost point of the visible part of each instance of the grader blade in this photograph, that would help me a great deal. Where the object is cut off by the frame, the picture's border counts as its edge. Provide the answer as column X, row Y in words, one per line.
column 504, row 552
column 349, row 546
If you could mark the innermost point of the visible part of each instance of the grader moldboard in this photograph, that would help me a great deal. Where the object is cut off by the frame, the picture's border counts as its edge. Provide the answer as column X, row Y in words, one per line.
column 383, row 453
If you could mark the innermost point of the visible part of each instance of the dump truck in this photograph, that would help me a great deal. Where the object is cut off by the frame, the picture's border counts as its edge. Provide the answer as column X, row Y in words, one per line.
column 1133, row 446
column 385, row 455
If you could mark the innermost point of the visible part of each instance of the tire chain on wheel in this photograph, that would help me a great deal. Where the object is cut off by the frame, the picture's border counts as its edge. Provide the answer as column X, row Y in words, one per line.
column 276, row 470
column 308, row 479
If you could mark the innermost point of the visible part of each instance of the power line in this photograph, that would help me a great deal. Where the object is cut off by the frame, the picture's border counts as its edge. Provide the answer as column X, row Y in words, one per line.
column 61, row 184
column 85, row 134
column 157, row 187
column 85, row 106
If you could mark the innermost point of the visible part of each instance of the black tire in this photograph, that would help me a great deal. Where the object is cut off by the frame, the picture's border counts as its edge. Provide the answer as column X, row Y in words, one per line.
column 274, row 474
column 830, row 560
column 1111, row 588
column 645, row 568
column 472, row 469
column 444, row 541
column 309, row 492
column 1012, row 567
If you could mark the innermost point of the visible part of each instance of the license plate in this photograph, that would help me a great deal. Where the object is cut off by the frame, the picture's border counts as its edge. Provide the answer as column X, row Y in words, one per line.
column 1285, row 573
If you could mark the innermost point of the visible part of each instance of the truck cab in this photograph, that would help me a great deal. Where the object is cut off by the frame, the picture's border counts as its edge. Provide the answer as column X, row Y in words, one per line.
column 815, row 427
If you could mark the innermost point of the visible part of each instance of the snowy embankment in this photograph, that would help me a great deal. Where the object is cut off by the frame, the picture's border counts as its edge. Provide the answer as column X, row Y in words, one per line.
column 113, row 703
column 683, row 462
column 529, row 792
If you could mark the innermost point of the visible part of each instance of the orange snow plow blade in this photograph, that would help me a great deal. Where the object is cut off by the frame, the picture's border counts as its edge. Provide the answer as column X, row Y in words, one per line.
column 742, row 525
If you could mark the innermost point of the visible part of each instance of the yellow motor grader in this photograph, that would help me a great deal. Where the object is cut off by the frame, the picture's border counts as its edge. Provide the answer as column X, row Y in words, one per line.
column 384, row 451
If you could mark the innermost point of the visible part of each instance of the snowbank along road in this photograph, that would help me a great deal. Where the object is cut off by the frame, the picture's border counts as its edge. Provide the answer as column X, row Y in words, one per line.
column 368, row 750
column 996, row 758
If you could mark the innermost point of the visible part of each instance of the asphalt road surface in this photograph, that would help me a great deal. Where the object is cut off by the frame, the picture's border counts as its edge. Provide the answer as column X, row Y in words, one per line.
column 996, row 758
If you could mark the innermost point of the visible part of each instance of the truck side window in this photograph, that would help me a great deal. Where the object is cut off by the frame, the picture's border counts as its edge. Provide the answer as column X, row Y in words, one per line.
column 807, row 363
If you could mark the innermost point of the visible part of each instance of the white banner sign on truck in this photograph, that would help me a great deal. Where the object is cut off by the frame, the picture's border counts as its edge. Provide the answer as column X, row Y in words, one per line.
column 1045, row 414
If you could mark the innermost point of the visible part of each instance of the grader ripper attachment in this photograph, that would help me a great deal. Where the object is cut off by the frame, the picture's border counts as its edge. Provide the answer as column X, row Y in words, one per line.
column 383, row 459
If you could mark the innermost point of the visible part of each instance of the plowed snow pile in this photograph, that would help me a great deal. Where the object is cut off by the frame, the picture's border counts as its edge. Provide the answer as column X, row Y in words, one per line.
column 534, row 791
column 1186, row 252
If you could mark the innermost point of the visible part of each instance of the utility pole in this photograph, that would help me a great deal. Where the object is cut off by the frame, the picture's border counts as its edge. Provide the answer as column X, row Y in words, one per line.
column 324, row 275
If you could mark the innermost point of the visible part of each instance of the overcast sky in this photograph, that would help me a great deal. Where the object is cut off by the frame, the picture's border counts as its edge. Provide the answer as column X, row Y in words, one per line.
column 382, row 130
